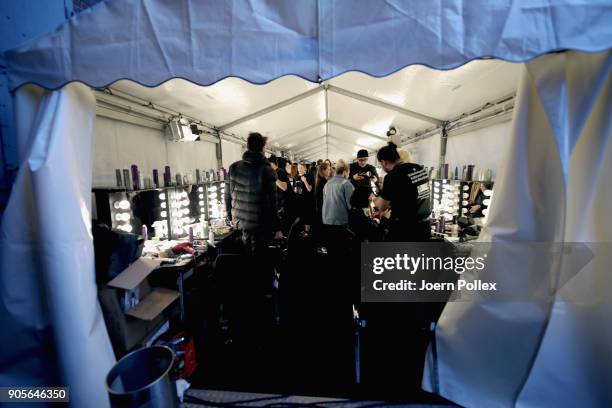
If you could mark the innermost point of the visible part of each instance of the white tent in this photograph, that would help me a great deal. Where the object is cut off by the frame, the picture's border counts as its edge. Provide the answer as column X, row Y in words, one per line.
column 333, row 119
column 559, row 126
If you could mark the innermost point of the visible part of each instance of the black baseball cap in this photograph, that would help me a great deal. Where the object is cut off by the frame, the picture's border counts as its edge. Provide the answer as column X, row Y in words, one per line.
column 362, row 153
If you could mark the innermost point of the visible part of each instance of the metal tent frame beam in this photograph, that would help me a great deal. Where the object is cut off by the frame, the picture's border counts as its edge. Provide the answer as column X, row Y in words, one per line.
column 271, row 108
column 297, row 132
column 342, row 149
column 338, row 139
column 383, row 104
column 363, row 132
column 303, row 146
column 313, row 154
column 308, row 152
column 326, row 87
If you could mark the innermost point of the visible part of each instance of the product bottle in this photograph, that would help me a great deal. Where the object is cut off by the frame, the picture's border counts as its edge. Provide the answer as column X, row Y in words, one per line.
column 118, row 177
column 211, row 236
column 167, row 177
column 126, row 179
column 155, row 178
column 135, row 177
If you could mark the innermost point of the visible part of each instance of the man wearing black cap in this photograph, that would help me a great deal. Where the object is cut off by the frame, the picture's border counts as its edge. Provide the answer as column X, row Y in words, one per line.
column 361, row 173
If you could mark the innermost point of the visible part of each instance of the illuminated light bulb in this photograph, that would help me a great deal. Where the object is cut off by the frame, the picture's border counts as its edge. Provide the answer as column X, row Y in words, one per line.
column 466, row 187
column 163, row 205
column 485, row 212
column 200, row 189
column 201, row 203
column 212, row 196
column 125, row 217
column 212, row 189
column 164, row 214
column 124, row 204
column 116, row 205
column 118, row 217
column 162, row 196
column 201, row 196
column 202, row 209
column 127, row 228
column 464, row 202
column 486, row 202
column 184, row 194
column 186, row 211
column 185, row 203
column 487, row 193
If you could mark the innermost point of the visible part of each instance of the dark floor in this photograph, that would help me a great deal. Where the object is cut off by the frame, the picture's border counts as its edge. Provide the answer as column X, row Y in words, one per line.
column 307, row 347
column 214, row 398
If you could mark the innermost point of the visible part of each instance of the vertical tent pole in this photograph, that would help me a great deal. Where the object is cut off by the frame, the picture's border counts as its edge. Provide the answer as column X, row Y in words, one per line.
column 326, row 86
column 219, row 150
column 443, row 141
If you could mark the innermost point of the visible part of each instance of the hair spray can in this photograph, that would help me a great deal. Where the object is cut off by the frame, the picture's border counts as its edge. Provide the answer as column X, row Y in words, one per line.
column 118, row 178
column 155, row 178
column 135, row 177
column 126, row 179
column 167, row 177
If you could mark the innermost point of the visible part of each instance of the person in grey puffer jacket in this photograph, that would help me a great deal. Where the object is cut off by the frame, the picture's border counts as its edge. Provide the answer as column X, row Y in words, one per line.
column 251, row 197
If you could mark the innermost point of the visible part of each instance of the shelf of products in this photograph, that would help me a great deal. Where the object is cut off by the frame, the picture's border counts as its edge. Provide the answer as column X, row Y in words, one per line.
column 166, row 212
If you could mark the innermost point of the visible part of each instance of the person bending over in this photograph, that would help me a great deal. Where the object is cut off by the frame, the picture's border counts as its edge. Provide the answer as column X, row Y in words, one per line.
column 406, row 191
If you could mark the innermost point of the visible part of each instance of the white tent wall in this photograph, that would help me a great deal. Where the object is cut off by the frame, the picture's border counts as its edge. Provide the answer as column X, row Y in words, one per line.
column 205, row 41
column 425, row 152
column 231, row 152
column 485, row 148
column 535, row 353
column 49, row 308
column 118, row 145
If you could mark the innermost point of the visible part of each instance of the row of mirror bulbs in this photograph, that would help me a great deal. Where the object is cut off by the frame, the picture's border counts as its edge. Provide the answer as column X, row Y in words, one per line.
column 121, row 205
column 162, row 197
column 122, row 217
column 126, row 228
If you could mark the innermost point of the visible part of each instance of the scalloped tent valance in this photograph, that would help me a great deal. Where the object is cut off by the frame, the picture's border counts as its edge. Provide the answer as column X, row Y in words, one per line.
column 152, row 41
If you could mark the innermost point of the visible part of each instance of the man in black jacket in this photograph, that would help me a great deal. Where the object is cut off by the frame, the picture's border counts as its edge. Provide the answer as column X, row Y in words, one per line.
column 251, row 197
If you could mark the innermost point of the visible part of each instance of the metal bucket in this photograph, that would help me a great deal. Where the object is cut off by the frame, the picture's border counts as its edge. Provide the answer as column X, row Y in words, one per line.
column 142, row 379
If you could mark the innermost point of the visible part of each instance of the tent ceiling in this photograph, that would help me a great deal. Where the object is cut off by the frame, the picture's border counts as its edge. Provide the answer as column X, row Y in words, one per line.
column 353, row 124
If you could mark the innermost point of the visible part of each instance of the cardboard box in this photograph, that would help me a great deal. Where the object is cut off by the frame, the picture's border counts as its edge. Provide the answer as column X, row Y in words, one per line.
column 139, row 299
